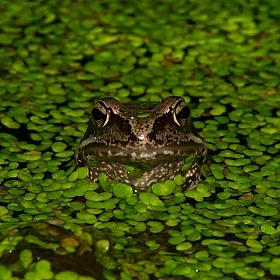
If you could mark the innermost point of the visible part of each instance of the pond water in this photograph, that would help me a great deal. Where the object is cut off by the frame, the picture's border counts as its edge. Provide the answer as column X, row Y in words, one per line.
column 56, row 58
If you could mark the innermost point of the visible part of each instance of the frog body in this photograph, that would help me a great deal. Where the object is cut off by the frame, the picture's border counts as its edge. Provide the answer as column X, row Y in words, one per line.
column 140, row 144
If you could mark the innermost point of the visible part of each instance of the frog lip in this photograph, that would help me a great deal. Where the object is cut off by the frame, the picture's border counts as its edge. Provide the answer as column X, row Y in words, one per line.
column 129, row 145
column 145, row 153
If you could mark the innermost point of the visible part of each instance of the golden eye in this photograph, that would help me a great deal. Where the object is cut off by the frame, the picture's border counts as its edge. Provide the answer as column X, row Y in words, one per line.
column 100, row 115
column 181, row 114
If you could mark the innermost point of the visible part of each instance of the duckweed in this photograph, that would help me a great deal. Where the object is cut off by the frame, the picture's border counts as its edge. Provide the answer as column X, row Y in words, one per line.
column 55, row 223
column 122, row 190
column 164, row 189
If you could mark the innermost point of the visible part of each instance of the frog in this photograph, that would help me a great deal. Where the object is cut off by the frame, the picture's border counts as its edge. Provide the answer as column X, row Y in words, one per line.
column 142, row 144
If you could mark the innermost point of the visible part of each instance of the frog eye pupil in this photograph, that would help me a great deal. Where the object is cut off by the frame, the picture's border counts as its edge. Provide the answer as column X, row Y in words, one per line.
column 184, row 113
column 181, row 115
column 97, row 114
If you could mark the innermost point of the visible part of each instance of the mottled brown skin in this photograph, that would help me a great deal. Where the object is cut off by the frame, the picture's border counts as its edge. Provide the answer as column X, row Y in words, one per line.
column 140, row 144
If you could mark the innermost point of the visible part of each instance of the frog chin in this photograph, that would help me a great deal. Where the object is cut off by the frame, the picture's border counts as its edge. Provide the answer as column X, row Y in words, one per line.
column 142, row 180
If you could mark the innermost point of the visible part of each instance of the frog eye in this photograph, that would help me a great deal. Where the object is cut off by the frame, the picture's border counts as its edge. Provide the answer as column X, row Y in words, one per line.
column 181, row 114
column 100, row 115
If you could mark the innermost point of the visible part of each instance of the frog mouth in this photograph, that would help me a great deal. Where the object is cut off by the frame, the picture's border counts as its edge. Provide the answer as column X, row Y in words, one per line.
column 144, row 153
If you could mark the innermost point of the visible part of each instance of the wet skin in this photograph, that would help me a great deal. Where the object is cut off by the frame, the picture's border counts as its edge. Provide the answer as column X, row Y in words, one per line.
column 140, row 144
